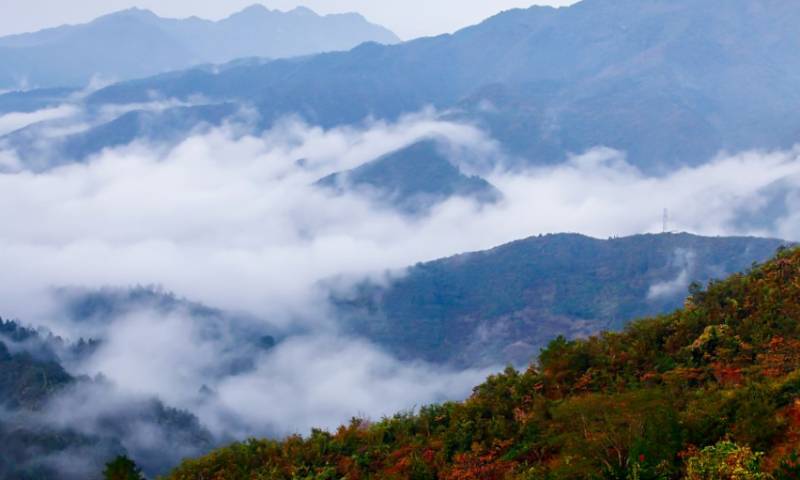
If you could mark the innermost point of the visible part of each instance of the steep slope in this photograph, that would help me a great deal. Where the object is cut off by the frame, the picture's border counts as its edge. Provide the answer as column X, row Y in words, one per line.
column 56, row 424
column 695, row 394
column 136, row 43
column 412, row 179
column 25, row 381
column 504, row 304
column 39, row 443
column 717, row 74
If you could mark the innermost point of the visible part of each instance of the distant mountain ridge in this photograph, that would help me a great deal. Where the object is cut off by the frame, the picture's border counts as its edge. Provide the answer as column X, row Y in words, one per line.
column 503, row 305
column 136, row 43
column 669, row 82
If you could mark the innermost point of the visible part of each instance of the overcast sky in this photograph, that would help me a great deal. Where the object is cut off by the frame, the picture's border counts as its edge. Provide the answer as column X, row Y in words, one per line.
column 407, row 18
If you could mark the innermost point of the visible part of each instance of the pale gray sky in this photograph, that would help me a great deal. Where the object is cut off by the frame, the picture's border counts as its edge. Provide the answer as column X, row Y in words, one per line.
column 408, row 18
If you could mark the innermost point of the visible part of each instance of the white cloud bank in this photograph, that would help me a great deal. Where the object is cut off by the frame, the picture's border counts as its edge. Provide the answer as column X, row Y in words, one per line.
column 17, row 120
column 237, row 223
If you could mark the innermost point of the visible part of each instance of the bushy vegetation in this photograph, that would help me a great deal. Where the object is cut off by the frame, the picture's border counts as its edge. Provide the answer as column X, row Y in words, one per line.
column 711, row 391
column 122, row 468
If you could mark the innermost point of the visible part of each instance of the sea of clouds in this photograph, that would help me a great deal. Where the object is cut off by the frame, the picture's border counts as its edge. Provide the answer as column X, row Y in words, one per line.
column 233, row 220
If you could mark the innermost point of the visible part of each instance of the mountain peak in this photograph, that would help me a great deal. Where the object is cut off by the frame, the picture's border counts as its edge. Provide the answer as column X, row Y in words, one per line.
column 260, row 9
column 133, row 12
column 254, row 12
column 301, row 10
column 413, row 178
column 255, row 8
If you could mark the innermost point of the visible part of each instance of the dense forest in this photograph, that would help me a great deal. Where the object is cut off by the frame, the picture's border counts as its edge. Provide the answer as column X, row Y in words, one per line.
column 711, row 391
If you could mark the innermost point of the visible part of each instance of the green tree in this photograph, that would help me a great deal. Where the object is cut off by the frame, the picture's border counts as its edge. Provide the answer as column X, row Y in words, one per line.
column 122, row 468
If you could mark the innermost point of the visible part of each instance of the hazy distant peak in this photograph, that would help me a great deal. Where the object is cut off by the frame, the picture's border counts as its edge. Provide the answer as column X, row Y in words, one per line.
column 138, row 43
column 301, row 10
column 256, row 7
column 253, row 10
column 350, row 16
column 259, row 9
column 134, row 12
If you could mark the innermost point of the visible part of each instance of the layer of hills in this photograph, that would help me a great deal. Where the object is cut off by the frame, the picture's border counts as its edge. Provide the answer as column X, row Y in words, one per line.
column 137, row 43
column 489, row 307
column 710, row 387
column 711, row 391
column 669, row 82
column 503, row 305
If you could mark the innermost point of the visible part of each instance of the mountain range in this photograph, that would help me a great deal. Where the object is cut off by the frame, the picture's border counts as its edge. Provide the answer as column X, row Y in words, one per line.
column 709, row 377
column 670, row 83
column 138, row 43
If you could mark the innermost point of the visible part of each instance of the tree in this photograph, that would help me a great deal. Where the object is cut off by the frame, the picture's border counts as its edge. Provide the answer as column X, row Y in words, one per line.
column 122, row 468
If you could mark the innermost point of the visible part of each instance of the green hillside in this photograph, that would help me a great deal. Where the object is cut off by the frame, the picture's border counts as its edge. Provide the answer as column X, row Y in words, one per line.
column 711, row 391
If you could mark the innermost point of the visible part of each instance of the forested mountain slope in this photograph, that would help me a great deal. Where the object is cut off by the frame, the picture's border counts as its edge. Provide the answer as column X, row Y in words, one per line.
column 710, row 391
column 39, row 443
column 58, row 424
column 504, row 304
